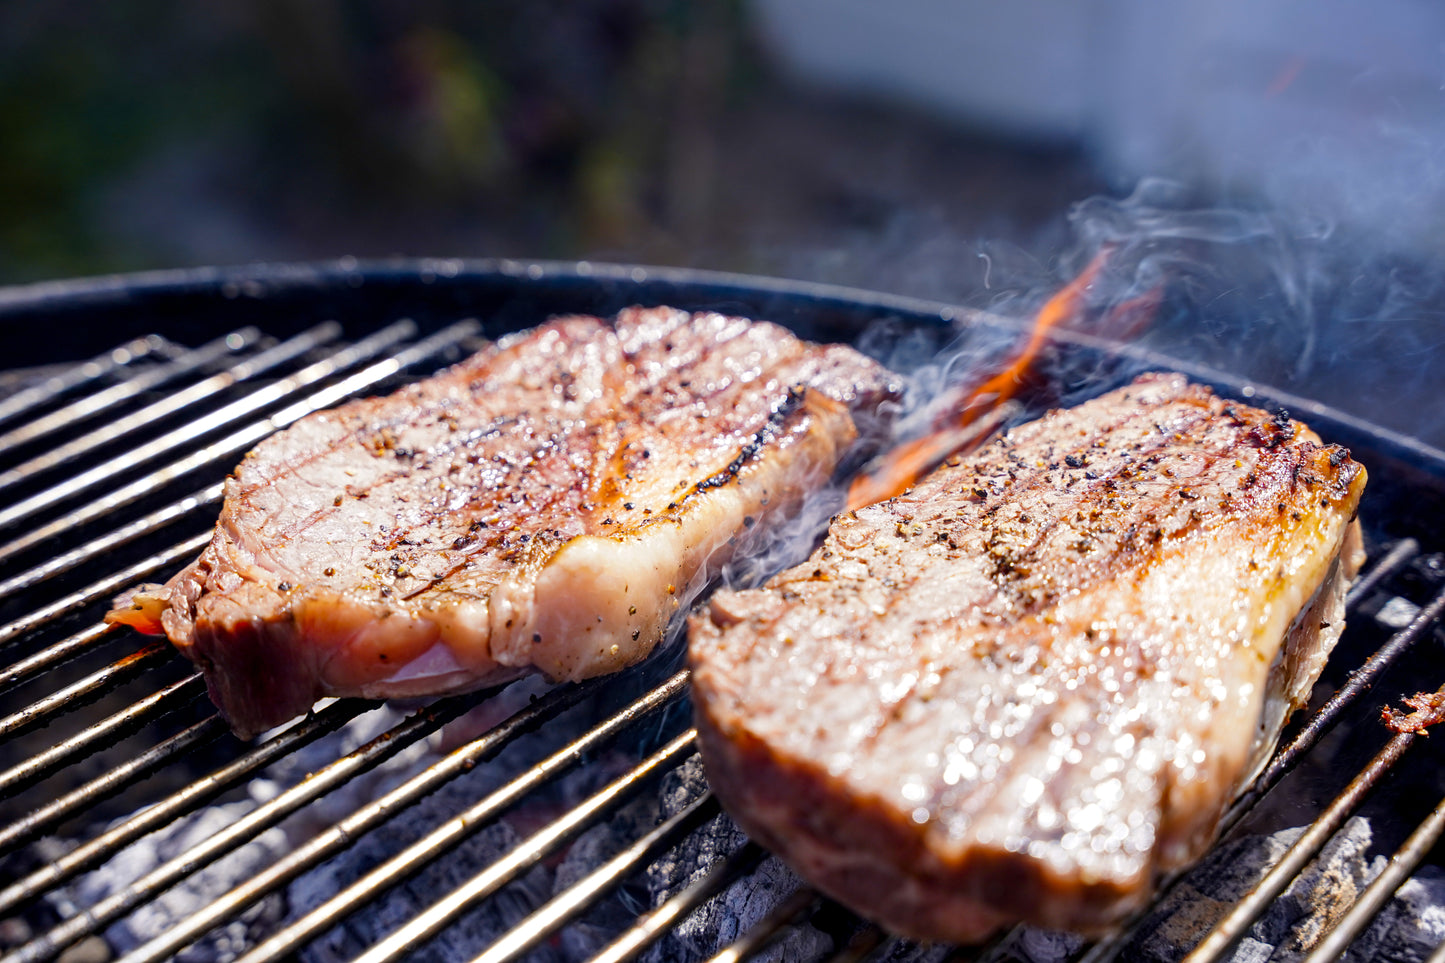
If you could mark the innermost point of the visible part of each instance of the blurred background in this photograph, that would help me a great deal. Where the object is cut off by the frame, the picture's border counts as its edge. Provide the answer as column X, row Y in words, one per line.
column 1280, row 160
column 169, row 134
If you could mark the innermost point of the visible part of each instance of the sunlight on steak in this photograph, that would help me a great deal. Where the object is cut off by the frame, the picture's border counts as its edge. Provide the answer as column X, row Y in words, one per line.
column 548, row 504
column 1031, row 684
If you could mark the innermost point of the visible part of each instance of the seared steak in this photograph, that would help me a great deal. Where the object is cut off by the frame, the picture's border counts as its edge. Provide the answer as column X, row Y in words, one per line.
column 1021, row 690
column 547, row 504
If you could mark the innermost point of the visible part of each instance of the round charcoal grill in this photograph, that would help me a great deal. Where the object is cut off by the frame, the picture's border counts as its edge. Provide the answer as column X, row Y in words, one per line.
column 570, row 823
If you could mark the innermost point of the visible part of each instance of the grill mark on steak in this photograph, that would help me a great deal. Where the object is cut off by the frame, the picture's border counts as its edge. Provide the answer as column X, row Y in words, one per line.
column 950, row 742
column 753, row 449
column 1014, row 567
column 399, row 535
column 691, row 366
column 1016, row 543
column 548, row 504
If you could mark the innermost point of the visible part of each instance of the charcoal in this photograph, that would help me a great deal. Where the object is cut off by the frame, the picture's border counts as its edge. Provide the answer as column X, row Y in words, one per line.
column 479, row 928
column 471, row 933
column 1409, row 928
column 1036, row 945
column 907, row 951
column 618, row 908
column 178, row 903
column 732, row 913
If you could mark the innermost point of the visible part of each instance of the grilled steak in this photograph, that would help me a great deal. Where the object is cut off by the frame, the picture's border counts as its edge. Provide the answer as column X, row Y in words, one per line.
column 1021, row 690
column 547, row 504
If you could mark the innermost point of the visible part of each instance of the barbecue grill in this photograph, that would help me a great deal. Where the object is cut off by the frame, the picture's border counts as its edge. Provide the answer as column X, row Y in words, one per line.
column 584, row 828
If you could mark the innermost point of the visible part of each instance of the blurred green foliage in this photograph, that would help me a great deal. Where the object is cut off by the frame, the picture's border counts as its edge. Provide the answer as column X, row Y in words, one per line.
column 87, row 91
column 320, row 126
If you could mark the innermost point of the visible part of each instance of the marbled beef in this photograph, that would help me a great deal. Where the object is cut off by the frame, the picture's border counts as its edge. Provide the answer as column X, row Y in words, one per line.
column 545, row 505
column 1028, row 686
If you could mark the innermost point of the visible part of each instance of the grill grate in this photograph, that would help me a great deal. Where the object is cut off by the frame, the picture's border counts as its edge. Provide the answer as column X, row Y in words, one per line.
column 99, row 468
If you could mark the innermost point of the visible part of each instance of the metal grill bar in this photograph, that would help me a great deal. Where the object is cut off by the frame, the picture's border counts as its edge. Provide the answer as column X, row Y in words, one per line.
column 1421, row 841
column 102, row 544
column 400, row 867
column 447, row 337
column 803, row 902
column 103, row 589
column 343, row 770
column 564, row 908
column 83, row 373
column 178, row 804
column 245, row 437
column 258, row 364
column 114, row 780
column 1387, row 565
column 186, row 435
column 85, row 690
column 432, row 920
column 1234, row 924
column 130, row 388
column 56, row 654
column 39, row 766
column 650, row 927
column 586, row 891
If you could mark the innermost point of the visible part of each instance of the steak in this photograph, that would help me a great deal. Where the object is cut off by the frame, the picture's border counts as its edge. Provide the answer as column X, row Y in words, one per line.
column 1028, row 686
column 547, row 504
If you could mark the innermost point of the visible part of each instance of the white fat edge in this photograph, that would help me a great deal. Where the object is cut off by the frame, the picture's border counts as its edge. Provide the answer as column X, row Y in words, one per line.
column 1284, row 694
column 436, row 660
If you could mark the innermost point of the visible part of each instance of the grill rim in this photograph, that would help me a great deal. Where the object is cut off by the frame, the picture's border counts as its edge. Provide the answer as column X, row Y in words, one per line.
column 511, row 293
column 1316, row 413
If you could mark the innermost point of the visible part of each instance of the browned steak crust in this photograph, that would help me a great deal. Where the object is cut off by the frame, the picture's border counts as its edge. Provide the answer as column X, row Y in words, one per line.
column 1027, row 686
column 547, row 504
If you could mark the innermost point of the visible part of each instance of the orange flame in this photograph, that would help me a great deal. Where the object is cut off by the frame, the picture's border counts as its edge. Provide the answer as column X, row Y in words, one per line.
column 908, row 462
column 1287, row 75
column 1129, row 318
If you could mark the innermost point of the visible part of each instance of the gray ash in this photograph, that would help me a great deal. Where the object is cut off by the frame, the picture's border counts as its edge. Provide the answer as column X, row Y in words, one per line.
column 733, row 912
column 1407, row 930
column 1304, row 913
column 471, row 934
column 176, row 904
